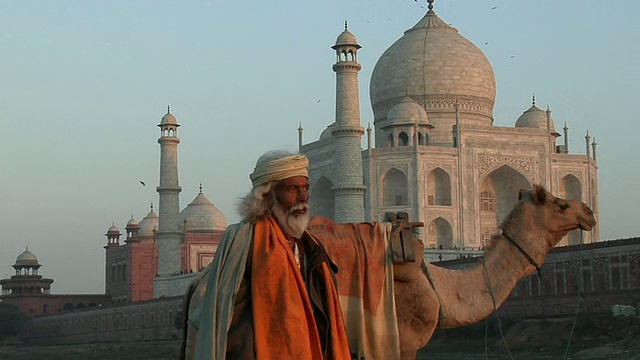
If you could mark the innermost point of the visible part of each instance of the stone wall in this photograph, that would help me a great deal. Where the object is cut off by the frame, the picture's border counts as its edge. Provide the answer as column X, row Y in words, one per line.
column 140, row 321
column 611, row 267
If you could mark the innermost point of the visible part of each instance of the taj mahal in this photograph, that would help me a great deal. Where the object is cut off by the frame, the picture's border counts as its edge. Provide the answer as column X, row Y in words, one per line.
column 433, row 152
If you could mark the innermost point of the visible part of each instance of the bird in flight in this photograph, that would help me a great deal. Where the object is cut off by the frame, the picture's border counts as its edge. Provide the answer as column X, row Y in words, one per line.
column 142, row 182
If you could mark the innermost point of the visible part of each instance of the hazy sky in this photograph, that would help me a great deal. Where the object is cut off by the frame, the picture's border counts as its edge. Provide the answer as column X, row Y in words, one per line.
column 83, row 85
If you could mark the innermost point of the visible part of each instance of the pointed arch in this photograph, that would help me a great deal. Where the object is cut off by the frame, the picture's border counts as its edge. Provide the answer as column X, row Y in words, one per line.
column 440, row 234
column 403, row 139
column 438, row 188
column 321, row 200
column 499, row 194
column 571, row 189
column 394, row 188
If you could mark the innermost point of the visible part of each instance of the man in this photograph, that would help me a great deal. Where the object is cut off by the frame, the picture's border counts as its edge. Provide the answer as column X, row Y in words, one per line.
column 271, row 290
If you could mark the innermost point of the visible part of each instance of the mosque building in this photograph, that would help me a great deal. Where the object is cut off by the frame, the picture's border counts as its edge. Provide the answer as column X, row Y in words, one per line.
column 434, row 152
column 161, row 255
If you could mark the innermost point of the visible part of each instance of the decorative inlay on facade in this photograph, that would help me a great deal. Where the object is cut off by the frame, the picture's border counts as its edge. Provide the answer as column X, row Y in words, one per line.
column 439, row 102
column 522, row 146
column 350, row 190
column 316, row 174
column 383, row 168
column 491, row 162
column 577, row 173
column 446, row 167
column 347, row 132
column 447, row 215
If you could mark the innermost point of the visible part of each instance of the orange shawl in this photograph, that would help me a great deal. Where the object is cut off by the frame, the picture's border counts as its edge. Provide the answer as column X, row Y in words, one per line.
column 284, row 325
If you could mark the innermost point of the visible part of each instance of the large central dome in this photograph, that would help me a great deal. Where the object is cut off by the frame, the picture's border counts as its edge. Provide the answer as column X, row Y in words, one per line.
column 435, row 66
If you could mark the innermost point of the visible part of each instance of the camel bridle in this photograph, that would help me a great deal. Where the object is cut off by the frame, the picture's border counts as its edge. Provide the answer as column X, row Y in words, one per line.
column 524, row 252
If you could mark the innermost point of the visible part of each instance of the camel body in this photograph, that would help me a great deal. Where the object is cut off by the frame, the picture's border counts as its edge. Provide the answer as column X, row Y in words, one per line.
column 428, row 296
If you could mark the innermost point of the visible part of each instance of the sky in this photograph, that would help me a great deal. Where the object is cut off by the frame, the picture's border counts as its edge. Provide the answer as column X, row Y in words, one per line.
column 83, row 85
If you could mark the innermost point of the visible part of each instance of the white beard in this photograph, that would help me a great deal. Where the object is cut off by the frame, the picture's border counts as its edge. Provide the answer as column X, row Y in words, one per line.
column 292, row 224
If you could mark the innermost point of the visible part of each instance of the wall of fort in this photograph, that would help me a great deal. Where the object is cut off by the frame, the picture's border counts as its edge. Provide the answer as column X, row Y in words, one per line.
column 139, row 321
column 590, row 277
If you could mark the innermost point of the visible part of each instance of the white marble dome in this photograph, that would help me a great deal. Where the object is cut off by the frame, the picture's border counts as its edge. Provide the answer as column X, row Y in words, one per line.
column 27, row 258
column 202, row 215
column 407, row 112
column 535, row 118
column 437, row 67
column 168, row 119
column 148, row 224
column 346, row 38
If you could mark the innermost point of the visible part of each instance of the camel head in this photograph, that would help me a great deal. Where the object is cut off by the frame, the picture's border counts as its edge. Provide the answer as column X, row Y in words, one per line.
column 555, row 215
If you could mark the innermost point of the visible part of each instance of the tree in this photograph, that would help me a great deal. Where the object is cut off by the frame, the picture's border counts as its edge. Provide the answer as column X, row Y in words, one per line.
column 11, row 320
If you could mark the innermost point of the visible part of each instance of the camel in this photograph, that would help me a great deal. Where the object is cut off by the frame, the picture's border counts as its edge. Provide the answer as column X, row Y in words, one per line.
column 427, row 296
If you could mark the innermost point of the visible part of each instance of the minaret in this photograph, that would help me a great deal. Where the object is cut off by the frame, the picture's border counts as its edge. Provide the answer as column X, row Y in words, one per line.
column 587, row 139
column 168, row 235
column 566, row 138
column 348, row 186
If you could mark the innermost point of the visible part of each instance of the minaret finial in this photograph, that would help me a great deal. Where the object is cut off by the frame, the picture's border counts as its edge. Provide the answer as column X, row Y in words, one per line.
column 533, row 102
column 200, row 188
column 168, row 109
column 152, row 206
column 430, row 4
column 345, row 25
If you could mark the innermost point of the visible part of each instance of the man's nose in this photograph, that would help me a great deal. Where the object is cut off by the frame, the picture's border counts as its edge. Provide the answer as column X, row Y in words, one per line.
column 303, row 195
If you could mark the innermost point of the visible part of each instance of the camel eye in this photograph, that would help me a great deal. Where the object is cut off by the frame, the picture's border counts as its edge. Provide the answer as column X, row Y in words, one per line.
column 563, row 204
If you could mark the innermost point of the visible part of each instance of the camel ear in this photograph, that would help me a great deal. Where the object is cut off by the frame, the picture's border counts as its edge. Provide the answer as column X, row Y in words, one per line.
column 539, row 194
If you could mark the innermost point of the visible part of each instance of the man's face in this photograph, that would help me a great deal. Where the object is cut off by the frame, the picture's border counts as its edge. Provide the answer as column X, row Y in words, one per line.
column 293, row 191
column 292, row 205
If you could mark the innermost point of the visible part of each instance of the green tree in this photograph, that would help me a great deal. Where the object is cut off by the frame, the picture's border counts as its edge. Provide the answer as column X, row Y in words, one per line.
column 11, row 320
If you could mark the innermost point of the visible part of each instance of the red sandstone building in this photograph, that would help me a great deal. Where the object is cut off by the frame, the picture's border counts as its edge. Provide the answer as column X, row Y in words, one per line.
column 132, row 266
column 30, row 292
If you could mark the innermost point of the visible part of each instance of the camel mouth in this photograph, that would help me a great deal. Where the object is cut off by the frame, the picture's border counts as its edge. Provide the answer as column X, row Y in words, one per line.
column 587, row 225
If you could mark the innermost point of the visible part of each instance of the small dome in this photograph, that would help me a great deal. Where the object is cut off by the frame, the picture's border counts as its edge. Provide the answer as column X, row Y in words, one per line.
column 148, row 224
column 168, row 119
column 535, row 118
column 407, row 112
column 326, row 133
column 27, row 258
column 113, row 230
column 202, row 215
column 346, row 38
column 132, row 223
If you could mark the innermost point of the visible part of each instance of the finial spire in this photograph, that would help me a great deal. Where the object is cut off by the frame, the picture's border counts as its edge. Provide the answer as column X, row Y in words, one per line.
column 430, row 4
column 152, row 206
column 168, row 109
column 200, row 188
column 345, row 25
column 533, row 102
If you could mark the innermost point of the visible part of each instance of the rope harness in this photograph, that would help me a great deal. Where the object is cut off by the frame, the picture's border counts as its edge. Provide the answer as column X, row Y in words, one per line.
column 526, row 255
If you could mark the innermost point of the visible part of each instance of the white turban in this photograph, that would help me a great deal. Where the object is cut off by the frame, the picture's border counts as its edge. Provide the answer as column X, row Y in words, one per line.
column 279, row 169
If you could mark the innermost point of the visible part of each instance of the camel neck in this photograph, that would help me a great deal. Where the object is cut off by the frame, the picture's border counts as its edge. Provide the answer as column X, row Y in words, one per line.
column 524, row 253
